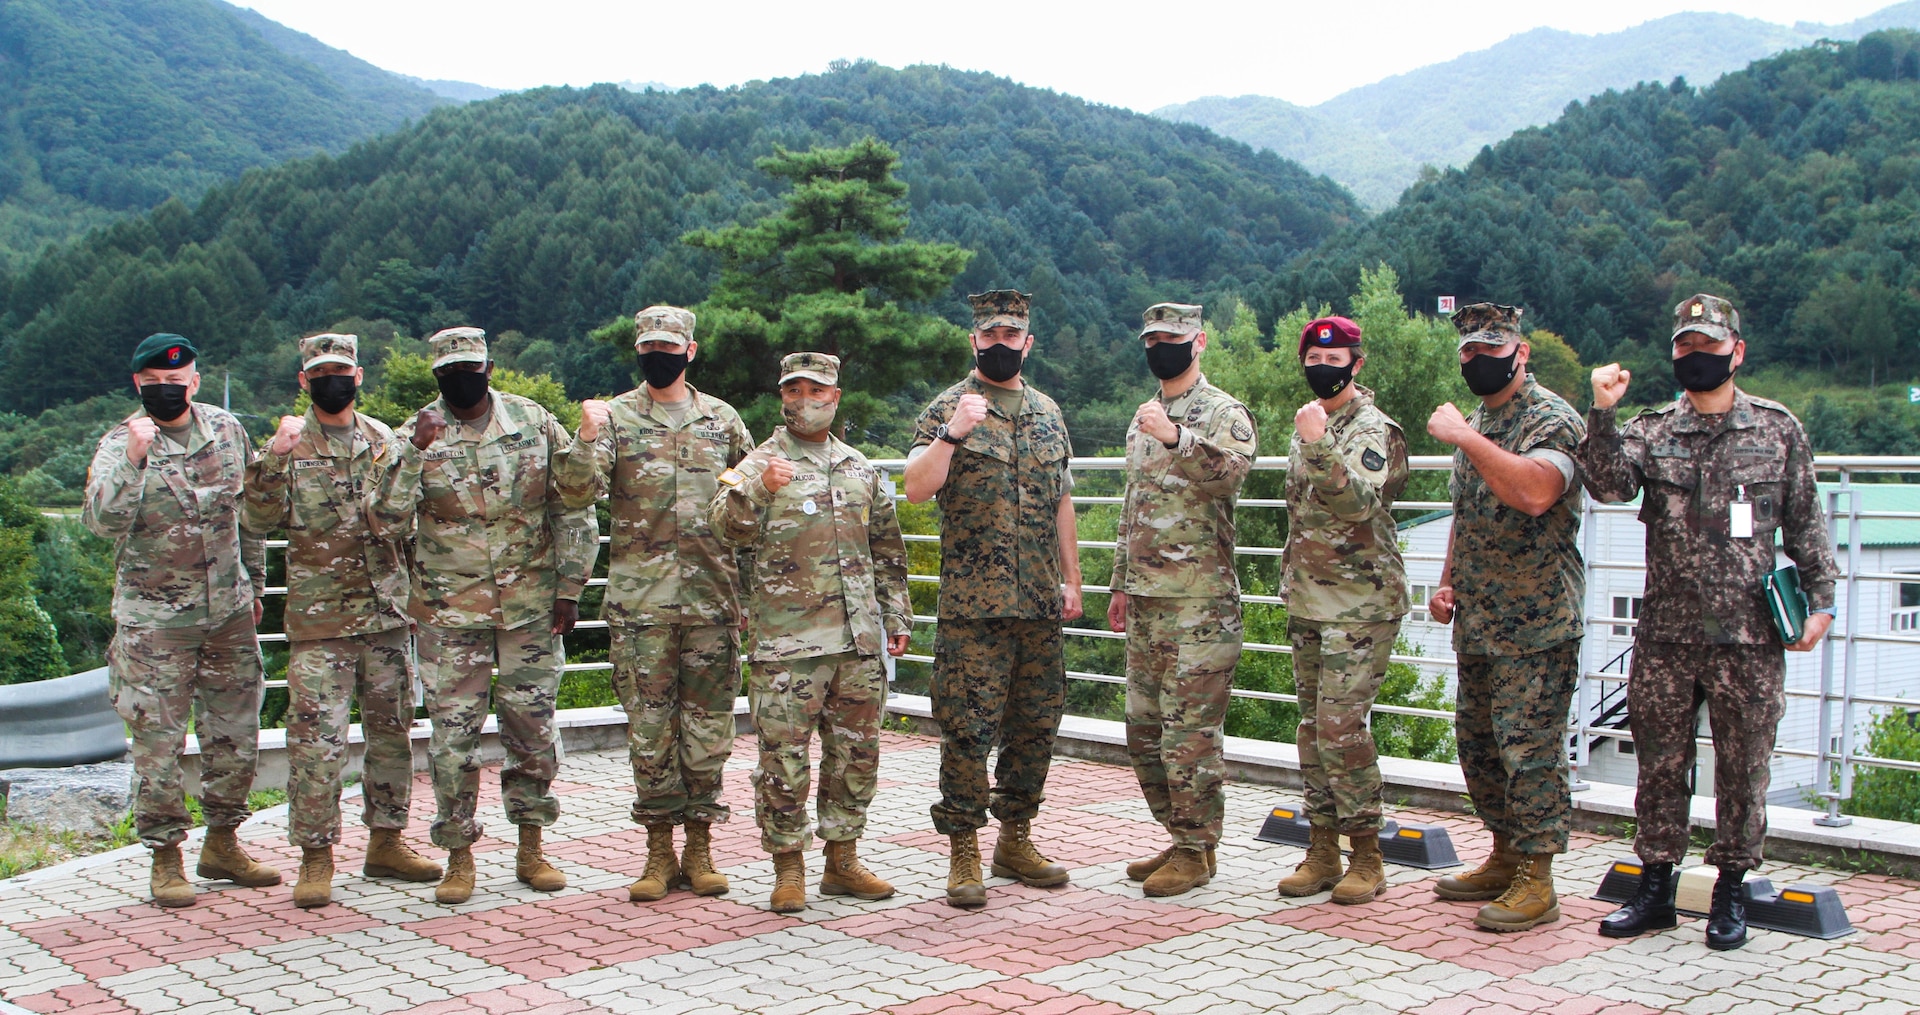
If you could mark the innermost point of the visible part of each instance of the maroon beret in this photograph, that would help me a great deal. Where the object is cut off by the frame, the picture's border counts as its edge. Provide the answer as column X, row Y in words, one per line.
column 1329, row 333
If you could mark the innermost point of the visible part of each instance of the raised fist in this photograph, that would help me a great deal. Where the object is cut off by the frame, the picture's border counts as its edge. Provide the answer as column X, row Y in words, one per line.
column 594, row 417
column 1447, row 424
column 1152, row 419
column 971, row 410
column 291, row 427
column 1310, row 422
column 141, row 430
column 428, row 426
column 779, row 473
column 1609, row 385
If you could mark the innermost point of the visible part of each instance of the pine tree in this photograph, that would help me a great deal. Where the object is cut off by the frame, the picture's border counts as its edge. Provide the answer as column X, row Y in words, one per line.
column 830, row 273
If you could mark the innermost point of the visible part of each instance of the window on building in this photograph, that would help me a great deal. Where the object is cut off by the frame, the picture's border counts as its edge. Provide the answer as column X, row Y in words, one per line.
column 1909, row 595
column 1906, row 618
column 1625, row 608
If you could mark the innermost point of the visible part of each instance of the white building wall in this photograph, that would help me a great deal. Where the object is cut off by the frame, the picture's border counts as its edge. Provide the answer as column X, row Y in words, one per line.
column 1618, row 538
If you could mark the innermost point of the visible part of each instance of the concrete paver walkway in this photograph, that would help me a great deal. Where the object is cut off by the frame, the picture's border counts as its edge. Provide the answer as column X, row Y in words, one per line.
column 81, row 938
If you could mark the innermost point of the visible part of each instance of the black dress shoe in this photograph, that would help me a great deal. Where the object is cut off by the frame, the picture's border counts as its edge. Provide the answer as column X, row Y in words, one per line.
column 1651, row 907
column 1727, row 920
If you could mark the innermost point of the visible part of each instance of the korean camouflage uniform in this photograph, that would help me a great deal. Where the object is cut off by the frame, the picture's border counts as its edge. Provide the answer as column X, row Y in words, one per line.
column 1346, row 589
column 999, row 675
column 673, row 604
column 494, row 547
column 828, row 585
column 1174, row 560
column 1705, row 632
column 346, row 626
column 1519, row 586
column 186, row 577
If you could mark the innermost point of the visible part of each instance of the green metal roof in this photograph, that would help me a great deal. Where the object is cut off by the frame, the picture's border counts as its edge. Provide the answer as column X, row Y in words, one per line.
column 1878, row 532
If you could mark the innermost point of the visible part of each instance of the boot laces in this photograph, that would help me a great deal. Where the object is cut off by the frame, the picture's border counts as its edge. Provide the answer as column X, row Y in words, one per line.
column 1521, row 887
column 789, row 875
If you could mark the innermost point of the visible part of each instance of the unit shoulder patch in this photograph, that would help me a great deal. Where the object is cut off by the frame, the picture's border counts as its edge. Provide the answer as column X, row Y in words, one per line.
column 1373, row 460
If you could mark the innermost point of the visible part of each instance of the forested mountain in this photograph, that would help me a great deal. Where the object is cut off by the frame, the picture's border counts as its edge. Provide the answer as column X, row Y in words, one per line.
column 110, row 106
column 542, row 215
column 1792, row 187
column 1375, row 138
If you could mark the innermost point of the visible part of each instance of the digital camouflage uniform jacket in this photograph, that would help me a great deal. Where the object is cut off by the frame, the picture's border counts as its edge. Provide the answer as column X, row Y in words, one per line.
column 829, row 570
column 1519, row 582
column 1704, row 585
column 341, row 581
column 999, row 527
column 181, row 557
column 1176, row 533
column 666, row 566
column 493, row 544
column 1342, row 560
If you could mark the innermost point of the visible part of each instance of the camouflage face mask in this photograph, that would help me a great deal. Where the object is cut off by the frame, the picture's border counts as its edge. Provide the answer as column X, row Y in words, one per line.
column 808, row 415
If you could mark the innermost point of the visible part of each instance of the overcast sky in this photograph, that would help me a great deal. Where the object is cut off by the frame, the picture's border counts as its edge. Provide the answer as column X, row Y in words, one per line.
column 1122, row 52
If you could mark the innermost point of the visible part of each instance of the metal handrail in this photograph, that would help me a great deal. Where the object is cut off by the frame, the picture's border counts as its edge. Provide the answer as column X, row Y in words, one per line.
column 1836, row 706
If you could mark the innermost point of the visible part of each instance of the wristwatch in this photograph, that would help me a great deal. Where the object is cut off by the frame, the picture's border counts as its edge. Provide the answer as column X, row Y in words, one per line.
column 940, row 433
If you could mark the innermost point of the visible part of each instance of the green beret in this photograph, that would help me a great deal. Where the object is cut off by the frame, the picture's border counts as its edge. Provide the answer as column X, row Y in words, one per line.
column 163, row 351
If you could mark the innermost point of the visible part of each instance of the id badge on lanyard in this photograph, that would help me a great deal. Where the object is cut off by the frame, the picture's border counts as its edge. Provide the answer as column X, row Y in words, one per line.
column 1740, row 515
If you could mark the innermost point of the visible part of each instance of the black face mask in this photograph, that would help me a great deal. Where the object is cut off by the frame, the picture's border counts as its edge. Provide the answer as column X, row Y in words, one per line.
column 999, row 363
column 1702, row 371
column 1168, row 360
column 1486, row 375
column 661, row 369
column 463, row 389
column 1328, row 380
column 333, row 392
column 164, row 402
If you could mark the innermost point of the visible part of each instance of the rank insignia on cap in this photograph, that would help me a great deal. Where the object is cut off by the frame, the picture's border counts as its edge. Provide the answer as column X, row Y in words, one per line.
column 1696, row 310
column 731, row 477
column 173, row 356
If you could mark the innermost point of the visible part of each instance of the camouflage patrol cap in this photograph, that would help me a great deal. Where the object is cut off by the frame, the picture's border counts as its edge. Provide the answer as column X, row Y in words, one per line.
column 814, row 366
column 1329, row 333
column 163, row 351
column 329, row 348
column 1489, row 324
column 997, row 308
column 663, row 324
column 1173, row 318
column 458, row 345
column 1709, row 315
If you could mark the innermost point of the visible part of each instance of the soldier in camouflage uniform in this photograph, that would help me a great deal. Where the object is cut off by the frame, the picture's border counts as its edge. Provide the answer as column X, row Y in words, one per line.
column 673, row 601
column 1721, row 473
column 188, row 580
column 1177, row 596
column 345, row 620
column 828, row 593
column 995, row 452
column 497, row 570
column 1346, row 590
column 1514, row 586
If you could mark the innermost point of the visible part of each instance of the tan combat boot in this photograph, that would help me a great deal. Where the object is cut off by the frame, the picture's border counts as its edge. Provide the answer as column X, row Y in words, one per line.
column 1186, row 870
column 1528, row 902
column 696, row 861
column 223, row 858
column 964, row 886
column 1487, row 881
column 168, row 884
column 1320, row 870
column 1366, row 875
column 530, row 866
column 1140, row 870
column 663, row 869
column 457, row 886
column 389, row 856
column 789, row 882
column 1015, row 856
column 846, row 875
column 315, row 887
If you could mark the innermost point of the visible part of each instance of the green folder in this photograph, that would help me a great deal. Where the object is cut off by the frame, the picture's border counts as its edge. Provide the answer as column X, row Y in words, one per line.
column 1788, row 604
